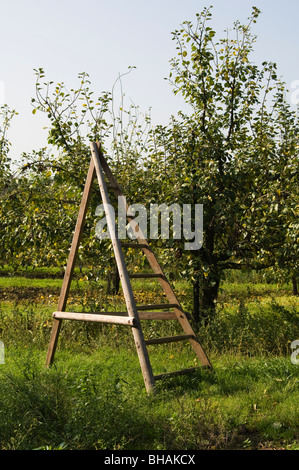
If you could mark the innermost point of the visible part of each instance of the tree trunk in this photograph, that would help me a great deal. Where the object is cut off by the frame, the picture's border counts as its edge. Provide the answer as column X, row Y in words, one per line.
column 205, row 293
column 206, row 283
column 116, row 282
column 113, row 282
column 196, row 302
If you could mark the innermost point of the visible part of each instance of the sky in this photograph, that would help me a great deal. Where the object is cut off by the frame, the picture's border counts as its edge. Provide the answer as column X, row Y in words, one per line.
column 66, row 37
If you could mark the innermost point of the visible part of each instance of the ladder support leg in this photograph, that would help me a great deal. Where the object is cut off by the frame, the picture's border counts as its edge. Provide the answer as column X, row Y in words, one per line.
column 71, row 262
column 53, row 341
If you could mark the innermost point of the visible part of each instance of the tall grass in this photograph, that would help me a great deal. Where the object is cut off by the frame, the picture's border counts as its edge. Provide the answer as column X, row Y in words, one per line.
column 93, row 397
column 250, row 328
column 99, row 402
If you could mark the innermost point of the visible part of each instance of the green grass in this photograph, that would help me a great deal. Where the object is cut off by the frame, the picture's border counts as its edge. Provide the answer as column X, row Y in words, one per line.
column 6, row 282
column 98, row 402
column 93, row 397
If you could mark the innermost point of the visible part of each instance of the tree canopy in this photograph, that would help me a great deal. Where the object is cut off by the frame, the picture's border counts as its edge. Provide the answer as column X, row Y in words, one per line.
column 235, row 152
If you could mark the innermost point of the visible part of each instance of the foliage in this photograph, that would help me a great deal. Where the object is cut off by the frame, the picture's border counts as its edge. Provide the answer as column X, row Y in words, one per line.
column 236, row 153
column 6, row 116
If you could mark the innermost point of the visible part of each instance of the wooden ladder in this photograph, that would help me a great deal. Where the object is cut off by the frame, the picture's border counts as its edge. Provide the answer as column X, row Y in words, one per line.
column 166, row 311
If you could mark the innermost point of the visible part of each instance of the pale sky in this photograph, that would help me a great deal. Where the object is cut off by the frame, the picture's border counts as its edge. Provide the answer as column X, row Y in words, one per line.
column 66, row 37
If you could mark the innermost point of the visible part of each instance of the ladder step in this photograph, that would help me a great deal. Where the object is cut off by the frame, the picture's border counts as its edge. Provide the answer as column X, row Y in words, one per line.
column 169, row 339
column 96, row 317
column 145, row 276
column 157, row 316
column 176, row 372
column 135, row 245
column 157, row 306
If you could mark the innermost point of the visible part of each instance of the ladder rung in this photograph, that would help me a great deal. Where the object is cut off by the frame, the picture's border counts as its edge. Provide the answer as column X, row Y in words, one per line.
column 135, row 245
column 145, row 276
column 157, row 306
column 176, row 372
column 157, row 316
column 95, row 317
column 169, row 339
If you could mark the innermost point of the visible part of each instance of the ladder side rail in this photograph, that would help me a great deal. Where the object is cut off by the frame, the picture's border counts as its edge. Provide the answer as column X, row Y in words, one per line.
column 181, row 316
column 124, row 276
column 120, row 261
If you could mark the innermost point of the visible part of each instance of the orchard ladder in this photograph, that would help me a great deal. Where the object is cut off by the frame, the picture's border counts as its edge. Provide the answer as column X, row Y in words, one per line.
column 165, row 311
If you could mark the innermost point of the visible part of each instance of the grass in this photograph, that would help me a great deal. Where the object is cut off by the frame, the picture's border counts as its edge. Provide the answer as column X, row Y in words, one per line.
column 94, row 398
column 98, row 402
column 24, row 282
